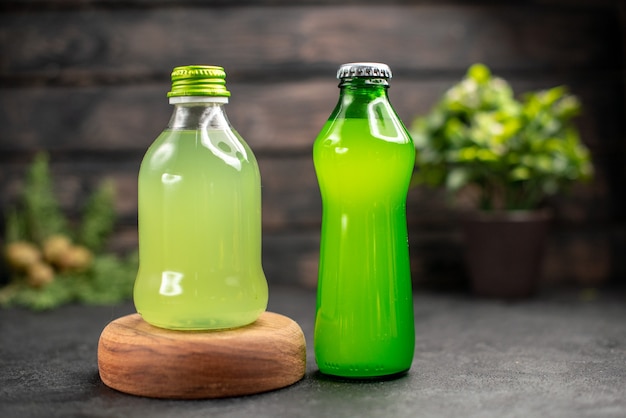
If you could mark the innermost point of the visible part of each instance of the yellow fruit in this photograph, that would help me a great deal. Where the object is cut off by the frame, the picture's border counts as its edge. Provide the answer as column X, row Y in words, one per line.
column 54, row 247
column 21, row 254
column 76, row 258
column 39, row 275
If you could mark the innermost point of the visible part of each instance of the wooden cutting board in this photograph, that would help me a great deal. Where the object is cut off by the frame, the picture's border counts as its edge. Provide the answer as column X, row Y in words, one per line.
column 137, row 358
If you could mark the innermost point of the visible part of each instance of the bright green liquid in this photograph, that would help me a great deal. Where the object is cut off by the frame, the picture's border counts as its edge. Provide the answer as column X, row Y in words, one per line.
column 199, row 233
column 364, row 324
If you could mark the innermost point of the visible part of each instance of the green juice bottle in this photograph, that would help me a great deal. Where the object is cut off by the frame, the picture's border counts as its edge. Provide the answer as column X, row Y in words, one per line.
column 199, row 215
column 364, row 325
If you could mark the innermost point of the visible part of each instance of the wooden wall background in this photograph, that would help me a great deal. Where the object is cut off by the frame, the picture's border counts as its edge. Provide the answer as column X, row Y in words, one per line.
column 86, row 80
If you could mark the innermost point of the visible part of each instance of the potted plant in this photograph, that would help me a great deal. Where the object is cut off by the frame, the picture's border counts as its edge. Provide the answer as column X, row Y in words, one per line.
column 507, row 156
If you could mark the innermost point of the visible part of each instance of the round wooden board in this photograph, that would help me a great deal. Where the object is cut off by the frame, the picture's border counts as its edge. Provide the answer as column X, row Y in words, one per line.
column 137, row 358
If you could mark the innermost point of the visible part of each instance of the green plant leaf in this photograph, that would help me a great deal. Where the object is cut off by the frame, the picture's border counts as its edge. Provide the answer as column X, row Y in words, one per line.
column 514, row 152
column 457, row 178
column 520, row 173
column 480, row 73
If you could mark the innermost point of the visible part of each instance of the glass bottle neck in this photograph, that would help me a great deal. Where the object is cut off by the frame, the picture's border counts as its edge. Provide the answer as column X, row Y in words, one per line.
column 356, row 95
column 198, row 114
column 363, row 83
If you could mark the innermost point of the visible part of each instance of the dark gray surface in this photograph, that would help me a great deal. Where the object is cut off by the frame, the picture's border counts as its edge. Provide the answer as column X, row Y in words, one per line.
column 558, row 355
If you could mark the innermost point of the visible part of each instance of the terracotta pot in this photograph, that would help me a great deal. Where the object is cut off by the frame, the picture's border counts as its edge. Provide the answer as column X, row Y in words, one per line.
column 504, row 252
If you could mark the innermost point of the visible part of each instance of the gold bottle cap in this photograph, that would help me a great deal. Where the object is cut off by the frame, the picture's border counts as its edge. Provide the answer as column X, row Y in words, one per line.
column 198, row 80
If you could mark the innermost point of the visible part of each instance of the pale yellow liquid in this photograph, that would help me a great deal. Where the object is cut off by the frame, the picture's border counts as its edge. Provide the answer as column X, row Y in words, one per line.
column 200, row 232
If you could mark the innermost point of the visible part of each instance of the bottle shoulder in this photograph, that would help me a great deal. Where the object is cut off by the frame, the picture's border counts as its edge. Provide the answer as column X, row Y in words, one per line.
column 359, row 132
column 181, row 147
column 364, row 104
column 192, row 116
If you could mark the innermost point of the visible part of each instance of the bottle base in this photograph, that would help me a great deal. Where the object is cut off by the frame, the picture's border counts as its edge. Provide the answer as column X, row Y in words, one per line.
column 361, row 378
column 199, row 324
column 195, row 327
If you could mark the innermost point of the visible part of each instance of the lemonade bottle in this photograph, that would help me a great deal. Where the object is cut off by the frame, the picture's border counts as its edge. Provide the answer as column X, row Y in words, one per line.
column 199, row 215
column 364, row 158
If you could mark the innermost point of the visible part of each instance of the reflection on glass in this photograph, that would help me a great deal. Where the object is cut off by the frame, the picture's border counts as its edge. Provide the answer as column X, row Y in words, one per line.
column 344, row 223
column 168, row 178
column 163, row 153
column 383, row 125
column 170, row 283
column 225, row 146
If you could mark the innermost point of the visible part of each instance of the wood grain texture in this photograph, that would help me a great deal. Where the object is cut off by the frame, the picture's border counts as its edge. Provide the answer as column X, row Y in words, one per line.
column 137, row 358
column 290, row 193
column 85, row 80
column 273, row 117
column 297, row 40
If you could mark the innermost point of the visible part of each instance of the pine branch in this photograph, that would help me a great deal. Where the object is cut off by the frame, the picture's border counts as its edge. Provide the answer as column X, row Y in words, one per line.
column 42, row 213
column 99, row 218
